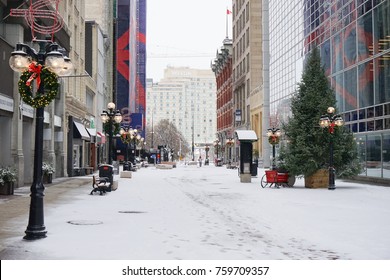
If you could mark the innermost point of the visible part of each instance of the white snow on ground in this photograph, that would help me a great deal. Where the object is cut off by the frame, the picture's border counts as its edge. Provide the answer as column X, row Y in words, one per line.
column 193, row 213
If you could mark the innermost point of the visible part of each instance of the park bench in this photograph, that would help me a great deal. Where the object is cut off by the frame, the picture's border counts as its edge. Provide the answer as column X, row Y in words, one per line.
column 100, row 184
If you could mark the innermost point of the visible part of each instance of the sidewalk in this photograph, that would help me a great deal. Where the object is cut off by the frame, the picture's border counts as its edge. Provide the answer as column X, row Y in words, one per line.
column 18, row 205
column 192, row 212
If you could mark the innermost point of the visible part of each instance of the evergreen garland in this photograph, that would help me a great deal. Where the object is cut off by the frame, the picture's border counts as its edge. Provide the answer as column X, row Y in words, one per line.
column 115, row 128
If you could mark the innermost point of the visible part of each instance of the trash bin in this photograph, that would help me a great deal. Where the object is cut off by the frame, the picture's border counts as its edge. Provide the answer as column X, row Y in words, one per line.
column 107, row 171
column 254, row 166
column 126, row 165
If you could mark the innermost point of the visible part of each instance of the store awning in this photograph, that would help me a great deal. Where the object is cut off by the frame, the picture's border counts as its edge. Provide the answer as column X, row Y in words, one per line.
column 91, row 131
column 81, row 131
column 246, row 135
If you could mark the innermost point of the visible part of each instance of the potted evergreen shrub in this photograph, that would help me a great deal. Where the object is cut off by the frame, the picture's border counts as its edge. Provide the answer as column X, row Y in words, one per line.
column 47, row 170
column 306, row 151
column 7, row 180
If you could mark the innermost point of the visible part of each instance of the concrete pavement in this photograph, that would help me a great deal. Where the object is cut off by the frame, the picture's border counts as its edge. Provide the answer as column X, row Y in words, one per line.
column 16, row 207
column 209, row 205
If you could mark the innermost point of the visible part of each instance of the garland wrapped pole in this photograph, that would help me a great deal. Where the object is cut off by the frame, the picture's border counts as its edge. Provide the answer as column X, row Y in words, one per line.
column 273, row 135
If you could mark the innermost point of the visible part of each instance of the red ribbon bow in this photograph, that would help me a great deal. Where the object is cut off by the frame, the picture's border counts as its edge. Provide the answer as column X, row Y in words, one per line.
column 36, row 73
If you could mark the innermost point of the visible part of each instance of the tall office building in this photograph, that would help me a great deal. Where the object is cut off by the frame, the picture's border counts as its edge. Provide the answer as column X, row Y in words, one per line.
column 187, row 98
column 248, row 67
column 354, row 39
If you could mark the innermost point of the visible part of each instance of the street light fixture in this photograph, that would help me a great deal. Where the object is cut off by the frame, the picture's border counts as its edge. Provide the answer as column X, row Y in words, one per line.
column 23, row 59
column 216, row 146
column 207, row 149
column 273, row 135
column 126, row 136
column 110, row 117
column 330, row 120
column 229, row 144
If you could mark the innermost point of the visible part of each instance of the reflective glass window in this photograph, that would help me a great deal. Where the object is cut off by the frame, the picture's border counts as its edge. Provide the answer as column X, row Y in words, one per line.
column 349, row 45
column 379, row 124
column 339, row 92
column 362, row 114
column 382, row 80
column 373, row 155
column 386, row 155
column 325, row 56
column 350, row 89
column 361, row 146
column 366, row 84
column 337, row 53
column 379, row 111
column 364, row 36
column 362, row 127
column 370, row 126
column 382, row 27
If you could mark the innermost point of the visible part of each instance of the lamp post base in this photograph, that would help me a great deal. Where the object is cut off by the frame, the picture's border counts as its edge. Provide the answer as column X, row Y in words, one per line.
column 35, row 233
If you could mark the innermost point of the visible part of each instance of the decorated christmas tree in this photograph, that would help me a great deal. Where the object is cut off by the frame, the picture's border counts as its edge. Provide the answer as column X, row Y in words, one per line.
column 306, row 148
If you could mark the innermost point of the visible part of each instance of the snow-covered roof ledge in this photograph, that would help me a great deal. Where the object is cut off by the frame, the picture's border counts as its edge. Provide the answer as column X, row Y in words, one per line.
column 246, row 135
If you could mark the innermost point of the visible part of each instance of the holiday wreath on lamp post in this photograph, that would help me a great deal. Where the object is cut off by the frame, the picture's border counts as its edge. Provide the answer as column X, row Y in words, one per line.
column 50, row 83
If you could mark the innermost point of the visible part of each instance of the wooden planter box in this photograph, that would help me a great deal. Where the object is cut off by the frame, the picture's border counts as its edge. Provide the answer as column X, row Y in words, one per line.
column 7, row 188
column 320, row 179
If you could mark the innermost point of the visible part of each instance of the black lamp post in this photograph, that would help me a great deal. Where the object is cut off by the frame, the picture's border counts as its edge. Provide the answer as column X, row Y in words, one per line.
column 330, row 120
column 125, row 133
column 273, row 135
column 229, row 145
column 22, row 59
column 110, row 116
column 207, row 149
column 216, row 146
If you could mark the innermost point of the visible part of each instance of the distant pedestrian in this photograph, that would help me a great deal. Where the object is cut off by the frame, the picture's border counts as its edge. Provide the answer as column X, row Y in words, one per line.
column 200, row 161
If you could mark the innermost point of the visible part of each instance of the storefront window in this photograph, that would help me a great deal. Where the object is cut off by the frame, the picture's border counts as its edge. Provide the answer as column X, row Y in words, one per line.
column 373, row 155
column 361, row 145
column 386, row 155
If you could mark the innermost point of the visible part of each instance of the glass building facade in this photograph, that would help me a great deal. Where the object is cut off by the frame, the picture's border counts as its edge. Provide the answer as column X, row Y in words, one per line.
column 354, row 39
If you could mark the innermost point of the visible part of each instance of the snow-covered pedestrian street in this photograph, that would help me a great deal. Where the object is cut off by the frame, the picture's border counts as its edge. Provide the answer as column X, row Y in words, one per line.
column 205, row 213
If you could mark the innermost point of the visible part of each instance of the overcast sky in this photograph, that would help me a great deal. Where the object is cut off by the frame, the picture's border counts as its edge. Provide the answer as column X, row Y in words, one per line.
column 184, row 33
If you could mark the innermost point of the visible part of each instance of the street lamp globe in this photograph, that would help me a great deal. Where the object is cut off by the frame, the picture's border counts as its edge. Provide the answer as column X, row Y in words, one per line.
column 339, row 121
column 331, row 110
column 111, row 106
column 118, row 117
column 67, row 68
column 19, row 61
column 324, row 121
column 55, row 61
column 104, row 117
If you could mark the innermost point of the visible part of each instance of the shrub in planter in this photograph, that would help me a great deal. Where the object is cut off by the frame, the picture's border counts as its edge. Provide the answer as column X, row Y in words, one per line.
column 7, row 180
column 48, row 171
